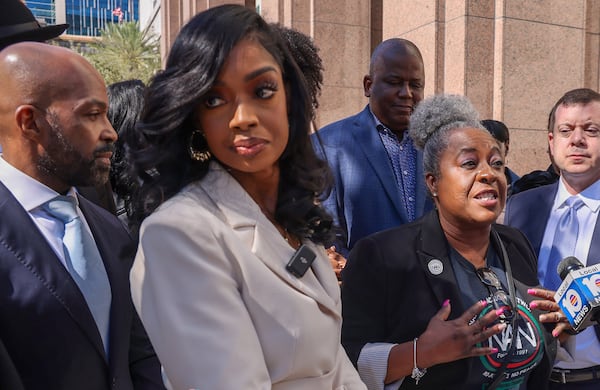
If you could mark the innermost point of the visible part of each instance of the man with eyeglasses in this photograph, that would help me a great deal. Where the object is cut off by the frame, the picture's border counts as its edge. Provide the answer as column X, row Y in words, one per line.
column 561, row 220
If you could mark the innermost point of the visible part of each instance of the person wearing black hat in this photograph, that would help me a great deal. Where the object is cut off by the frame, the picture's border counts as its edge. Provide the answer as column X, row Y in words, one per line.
column 17, row 24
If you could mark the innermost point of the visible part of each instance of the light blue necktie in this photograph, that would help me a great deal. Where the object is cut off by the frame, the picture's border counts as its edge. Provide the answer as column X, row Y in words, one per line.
column 565, row 240
column 83, row 262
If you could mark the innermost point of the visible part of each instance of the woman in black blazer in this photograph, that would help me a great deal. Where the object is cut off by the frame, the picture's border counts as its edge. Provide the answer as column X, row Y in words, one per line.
column 446, row 302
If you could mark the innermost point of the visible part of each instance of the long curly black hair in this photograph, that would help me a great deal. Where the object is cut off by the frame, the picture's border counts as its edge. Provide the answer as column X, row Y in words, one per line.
column 125, row 105
column 306, row 54
column 198, row 54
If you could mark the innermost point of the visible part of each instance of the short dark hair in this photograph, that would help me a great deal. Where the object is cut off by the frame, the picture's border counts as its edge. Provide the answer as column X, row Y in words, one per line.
column 581, row 96
column 193, row 65
column 496, row 129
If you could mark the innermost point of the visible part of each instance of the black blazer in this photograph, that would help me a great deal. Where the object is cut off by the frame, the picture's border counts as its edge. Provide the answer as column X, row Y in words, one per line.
column 389, row 294
column 9, row 376
column 45, row 323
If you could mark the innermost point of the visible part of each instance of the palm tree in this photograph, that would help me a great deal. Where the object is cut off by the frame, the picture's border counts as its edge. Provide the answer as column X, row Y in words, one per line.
column 123, row 52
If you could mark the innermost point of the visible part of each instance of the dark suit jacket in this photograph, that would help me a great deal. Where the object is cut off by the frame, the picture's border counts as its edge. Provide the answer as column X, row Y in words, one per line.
column 389, row 295
column 45, row 323
column 9, row 376
column 529, row 211
column 365, row 198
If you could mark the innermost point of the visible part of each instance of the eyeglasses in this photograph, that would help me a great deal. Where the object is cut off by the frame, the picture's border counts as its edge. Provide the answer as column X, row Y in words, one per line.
column 500, row 298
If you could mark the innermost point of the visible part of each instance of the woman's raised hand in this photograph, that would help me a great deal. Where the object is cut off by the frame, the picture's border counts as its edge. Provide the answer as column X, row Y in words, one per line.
column 449, row 340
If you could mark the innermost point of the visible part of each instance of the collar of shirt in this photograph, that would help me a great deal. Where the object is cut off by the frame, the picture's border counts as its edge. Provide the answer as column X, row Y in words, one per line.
column 381, row 128
column 29, row 192
column 590, row 196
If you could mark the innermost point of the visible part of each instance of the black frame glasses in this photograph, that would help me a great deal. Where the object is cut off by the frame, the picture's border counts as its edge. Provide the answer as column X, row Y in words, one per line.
column 500, row 298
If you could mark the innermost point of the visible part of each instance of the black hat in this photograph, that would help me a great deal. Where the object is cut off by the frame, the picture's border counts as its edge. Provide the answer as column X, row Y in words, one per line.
column 17, row 24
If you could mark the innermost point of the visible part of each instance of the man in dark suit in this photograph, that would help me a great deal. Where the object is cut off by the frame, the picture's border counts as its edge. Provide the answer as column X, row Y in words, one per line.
column 574, row 140
column 17, row 24
column 378, row 173
column 60, row 330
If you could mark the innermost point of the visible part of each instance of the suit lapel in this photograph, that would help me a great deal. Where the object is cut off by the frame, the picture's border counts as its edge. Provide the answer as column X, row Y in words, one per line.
column 259, row 234
column 538, row 209
column 593, row 257
column 436, row 264
column 22, row 238
column 367, row 138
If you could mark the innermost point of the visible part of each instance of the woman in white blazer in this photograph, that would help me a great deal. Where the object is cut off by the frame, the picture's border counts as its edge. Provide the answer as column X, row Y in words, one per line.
column 230, row 188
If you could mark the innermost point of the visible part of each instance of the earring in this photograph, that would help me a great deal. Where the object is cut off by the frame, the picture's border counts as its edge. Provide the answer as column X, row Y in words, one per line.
column 195, row 154
column 434, row 194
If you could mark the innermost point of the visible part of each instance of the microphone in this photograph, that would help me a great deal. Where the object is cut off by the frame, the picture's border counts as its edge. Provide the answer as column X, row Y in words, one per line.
column 578, row 295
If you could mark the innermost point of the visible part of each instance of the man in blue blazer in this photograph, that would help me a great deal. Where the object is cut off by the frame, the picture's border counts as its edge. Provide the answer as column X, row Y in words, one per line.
column 55, row 135
column 574, row 140
column 378, row 173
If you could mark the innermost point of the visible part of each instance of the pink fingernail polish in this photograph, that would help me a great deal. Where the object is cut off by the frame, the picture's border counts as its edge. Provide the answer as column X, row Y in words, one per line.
column 483, row 302
column 554, row 333
column 499, row 311
column 530, row 291
column 446, row 303
column 494, row 350
column 533, row 305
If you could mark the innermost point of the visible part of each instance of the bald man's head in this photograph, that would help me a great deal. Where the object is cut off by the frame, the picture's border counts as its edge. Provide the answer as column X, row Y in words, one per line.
column 399, row 46
column 395, row 83
column 41, row 73
column 53, row 123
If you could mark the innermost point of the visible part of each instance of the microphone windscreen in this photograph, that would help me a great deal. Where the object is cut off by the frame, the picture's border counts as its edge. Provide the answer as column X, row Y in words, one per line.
column 567, row 265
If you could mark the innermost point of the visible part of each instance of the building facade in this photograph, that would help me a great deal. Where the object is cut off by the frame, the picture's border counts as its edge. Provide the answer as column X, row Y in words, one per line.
column 512, row 58
column 85, row 17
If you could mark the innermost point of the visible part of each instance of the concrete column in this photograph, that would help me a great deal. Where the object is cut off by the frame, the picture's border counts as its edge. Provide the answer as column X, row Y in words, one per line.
column 541, row 51
column 423, row 23
column 60, row 12
column 175, row 13
column 342, row 31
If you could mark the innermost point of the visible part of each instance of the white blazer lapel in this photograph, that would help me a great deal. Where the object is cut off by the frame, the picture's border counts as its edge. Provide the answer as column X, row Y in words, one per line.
column 264, row 240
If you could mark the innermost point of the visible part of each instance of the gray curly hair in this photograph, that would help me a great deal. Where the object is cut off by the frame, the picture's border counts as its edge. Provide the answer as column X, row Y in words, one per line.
column 434, row 119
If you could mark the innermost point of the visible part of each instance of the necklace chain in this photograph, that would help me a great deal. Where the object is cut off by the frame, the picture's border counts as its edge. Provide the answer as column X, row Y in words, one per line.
column 289, row 238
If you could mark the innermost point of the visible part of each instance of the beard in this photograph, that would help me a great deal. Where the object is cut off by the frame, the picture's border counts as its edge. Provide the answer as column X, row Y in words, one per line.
column 63, row 161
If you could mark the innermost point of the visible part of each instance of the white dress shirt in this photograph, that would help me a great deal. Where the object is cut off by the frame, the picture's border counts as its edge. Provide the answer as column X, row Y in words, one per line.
column 583, row 350
column 31, row 195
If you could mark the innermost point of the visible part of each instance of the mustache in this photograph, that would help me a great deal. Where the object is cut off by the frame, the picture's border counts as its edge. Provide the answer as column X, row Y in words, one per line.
column 105, row 148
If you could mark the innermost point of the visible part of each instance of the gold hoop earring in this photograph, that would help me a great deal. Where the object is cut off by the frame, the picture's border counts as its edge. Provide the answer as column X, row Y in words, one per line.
column 195, row 154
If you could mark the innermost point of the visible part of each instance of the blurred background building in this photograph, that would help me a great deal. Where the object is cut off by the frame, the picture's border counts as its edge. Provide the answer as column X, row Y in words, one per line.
column 85, row 17
column 512, row 58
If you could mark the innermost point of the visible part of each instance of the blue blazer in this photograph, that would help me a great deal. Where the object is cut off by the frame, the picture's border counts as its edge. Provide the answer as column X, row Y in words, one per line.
column 529, row 211
column 365, row 198
column 45, row 324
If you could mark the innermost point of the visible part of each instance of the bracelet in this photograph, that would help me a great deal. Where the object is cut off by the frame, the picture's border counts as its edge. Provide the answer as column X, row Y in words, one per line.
column 417, row 373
